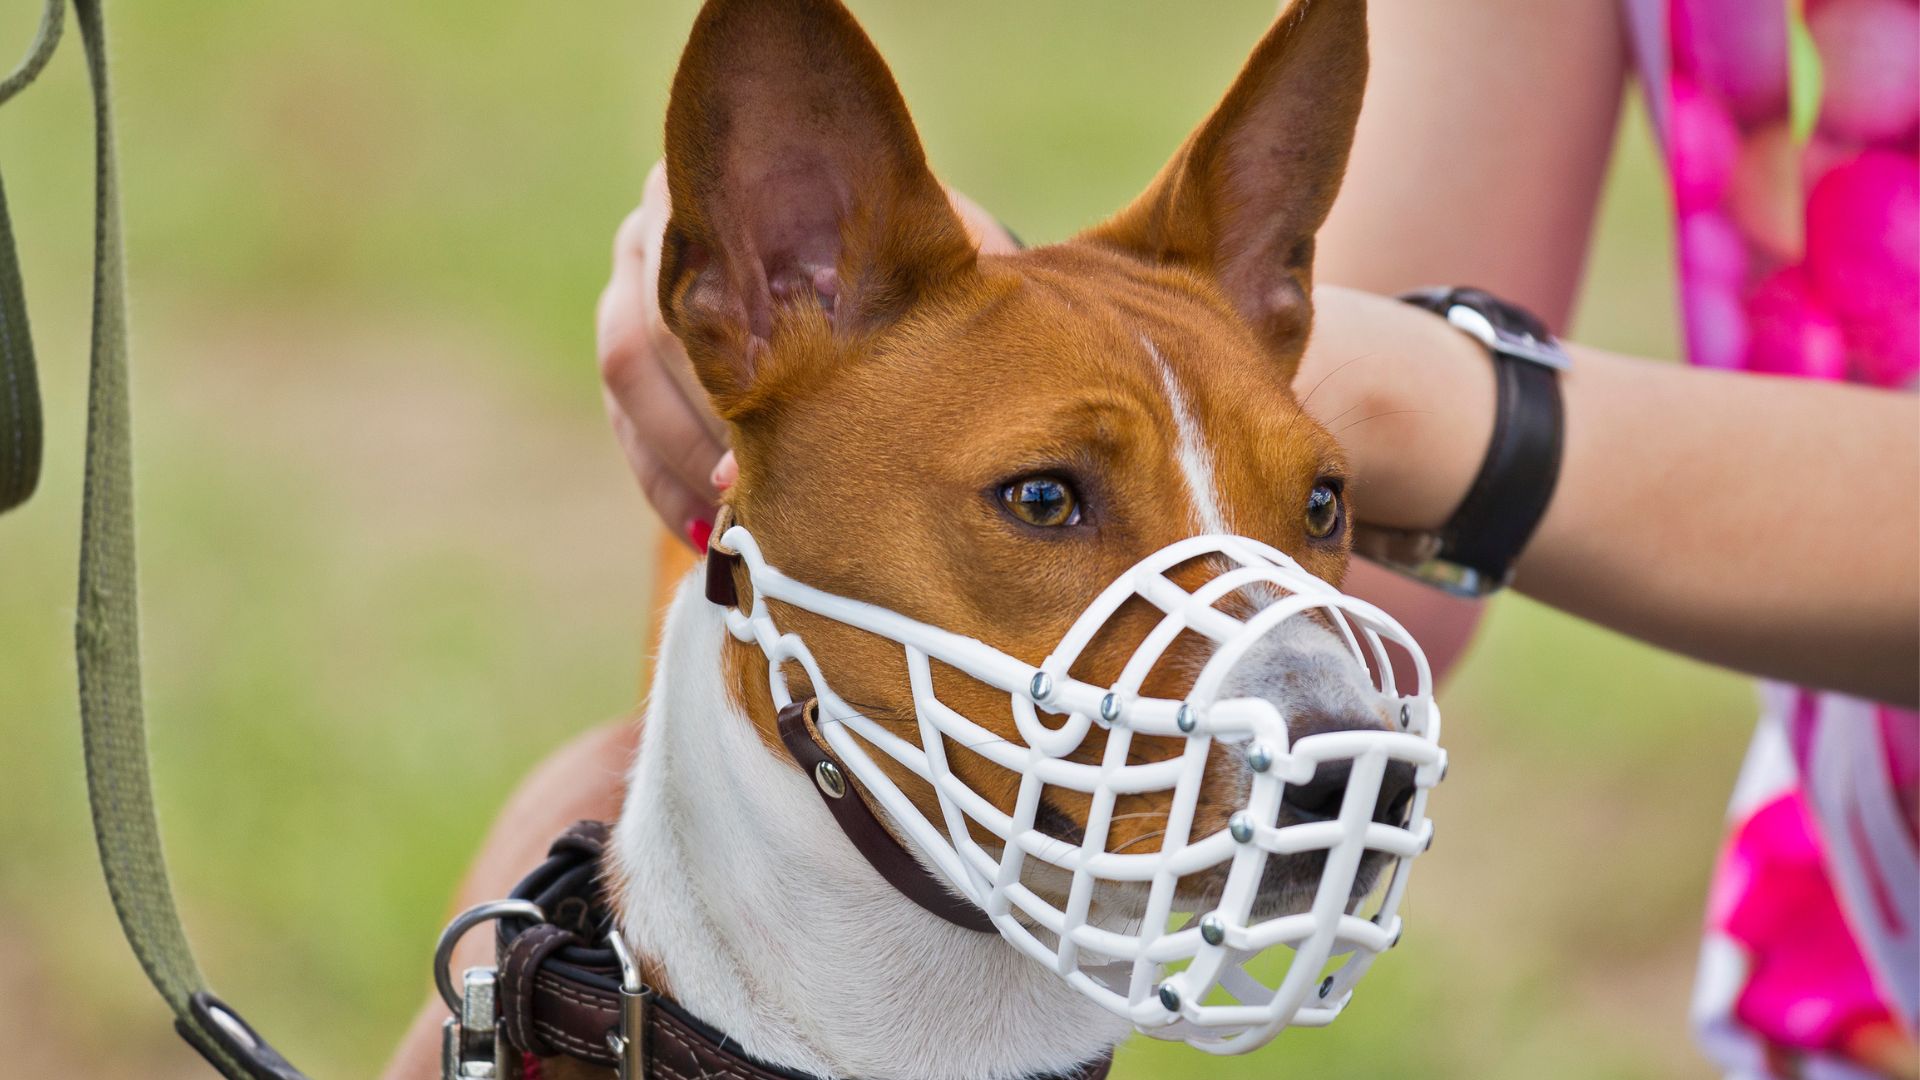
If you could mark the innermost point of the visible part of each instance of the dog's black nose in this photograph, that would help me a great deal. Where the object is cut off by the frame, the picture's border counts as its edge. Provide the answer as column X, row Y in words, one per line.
column 1320, row 798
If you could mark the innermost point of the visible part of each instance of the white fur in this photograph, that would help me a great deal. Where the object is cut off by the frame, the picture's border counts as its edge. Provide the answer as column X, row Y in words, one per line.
column 771, row 927
column 1302, row 665
column 1196, row 458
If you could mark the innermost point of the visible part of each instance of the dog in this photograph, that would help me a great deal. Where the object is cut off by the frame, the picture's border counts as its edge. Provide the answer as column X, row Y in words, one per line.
column 980, row 443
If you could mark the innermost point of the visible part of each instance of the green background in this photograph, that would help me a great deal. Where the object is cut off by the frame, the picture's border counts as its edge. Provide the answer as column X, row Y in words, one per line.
column 392, row 555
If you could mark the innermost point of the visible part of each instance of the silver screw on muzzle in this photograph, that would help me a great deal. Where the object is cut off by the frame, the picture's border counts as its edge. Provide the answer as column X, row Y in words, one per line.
column 1041, row 688
column 1240, row 827
column 1213, row 930
column 1259, row 757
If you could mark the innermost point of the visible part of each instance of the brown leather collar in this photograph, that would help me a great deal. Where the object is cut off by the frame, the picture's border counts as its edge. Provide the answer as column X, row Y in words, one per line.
column 559, row 986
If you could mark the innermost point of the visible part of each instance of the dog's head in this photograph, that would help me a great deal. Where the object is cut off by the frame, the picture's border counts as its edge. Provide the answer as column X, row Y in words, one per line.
column 983, row 443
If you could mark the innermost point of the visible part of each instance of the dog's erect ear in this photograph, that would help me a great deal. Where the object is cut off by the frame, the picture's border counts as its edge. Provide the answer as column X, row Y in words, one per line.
column 797, row 183
column 1243, row 198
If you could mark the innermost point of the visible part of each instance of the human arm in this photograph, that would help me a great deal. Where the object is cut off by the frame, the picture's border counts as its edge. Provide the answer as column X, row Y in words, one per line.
column 1763, row 523
column 1475, row 163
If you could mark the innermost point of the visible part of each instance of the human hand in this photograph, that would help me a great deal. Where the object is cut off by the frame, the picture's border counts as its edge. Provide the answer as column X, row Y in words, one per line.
column 674, row 443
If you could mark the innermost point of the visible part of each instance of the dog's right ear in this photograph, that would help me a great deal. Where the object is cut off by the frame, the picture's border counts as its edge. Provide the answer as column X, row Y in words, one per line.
column 798, row 185
column 1242, row 199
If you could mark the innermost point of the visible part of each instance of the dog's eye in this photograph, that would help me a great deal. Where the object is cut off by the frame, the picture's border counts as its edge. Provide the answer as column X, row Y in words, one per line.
column 1325, row 514
column 1046, row 501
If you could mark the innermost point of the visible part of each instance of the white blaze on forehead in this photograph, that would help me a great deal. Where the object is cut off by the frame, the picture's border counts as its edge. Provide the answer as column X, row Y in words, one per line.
column 1196, row 460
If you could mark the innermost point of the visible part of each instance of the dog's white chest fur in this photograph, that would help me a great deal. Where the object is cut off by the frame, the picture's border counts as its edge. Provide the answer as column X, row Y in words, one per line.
column 772, row 928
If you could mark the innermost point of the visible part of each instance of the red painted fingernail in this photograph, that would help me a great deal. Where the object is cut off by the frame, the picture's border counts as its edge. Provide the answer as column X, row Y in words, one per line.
column 699, row 531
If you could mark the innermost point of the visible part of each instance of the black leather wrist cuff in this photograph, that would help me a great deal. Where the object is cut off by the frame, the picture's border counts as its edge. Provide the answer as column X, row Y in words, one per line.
column 1481, row 542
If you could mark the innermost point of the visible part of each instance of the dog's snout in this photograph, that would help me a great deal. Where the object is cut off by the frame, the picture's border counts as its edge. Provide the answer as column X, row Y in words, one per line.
column 1320, row 798
column 1321, row 687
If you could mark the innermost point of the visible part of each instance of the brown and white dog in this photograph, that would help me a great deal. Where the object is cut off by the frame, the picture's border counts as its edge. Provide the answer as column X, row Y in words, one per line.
column 980, row 443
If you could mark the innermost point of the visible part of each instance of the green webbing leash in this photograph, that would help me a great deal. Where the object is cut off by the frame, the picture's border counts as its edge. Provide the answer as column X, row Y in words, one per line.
column 107, row 631
column 19, row 389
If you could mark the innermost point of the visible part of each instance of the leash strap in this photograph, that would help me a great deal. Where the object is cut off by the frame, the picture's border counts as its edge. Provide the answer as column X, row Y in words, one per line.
column 107, row 631
column 20, row 426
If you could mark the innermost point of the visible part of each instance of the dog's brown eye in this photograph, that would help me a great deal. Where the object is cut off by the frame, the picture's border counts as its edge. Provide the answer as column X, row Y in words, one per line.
column 1045, row 501
column 1324, row 514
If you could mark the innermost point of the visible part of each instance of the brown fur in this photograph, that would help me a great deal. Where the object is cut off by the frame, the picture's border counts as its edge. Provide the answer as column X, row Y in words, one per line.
column 876, row 415
column 882, row 380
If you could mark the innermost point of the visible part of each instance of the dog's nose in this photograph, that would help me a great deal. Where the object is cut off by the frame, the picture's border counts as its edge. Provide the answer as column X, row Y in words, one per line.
column 1320, row 798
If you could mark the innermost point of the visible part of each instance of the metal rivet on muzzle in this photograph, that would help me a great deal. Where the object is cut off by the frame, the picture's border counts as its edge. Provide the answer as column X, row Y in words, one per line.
column 1110, row 707
column 1326, row 986
column 1041, row 688
column 1213, row 930
column 1186, row 719
column 1259, row 757
column 1169, row 998
column 1406, row 715
column 1240, row 827
column 830, row 779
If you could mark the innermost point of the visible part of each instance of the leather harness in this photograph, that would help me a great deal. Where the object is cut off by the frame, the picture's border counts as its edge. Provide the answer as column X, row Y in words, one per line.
column 559, row 990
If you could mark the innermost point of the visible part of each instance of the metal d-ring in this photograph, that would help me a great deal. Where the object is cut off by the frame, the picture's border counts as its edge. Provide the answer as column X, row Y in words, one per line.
column 629, row 1041
column 457, row 929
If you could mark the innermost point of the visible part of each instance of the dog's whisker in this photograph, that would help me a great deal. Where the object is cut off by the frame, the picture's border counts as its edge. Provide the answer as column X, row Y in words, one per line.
column 1331, row 420
column 1331, row 374
column 984, row 742
column 1143, row 836
column 1377, row 416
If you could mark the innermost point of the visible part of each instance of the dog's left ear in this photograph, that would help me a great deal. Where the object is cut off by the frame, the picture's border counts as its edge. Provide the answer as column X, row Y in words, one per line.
column 1243, row 198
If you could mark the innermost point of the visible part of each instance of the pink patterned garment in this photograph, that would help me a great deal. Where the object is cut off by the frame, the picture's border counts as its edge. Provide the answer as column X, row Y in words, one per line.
column 1790, row 131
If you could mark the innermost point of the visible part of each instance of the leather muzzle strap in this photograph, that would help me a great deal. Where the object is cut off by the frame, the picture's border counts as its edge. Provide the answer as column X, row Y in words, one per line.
column 863, row 828
column 798, row 723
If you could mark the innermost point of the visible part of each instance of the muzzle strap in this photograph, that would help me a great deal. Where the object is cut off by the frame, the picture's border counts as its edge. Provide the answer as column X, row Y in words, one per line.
column 721, row 562
column 857, row 820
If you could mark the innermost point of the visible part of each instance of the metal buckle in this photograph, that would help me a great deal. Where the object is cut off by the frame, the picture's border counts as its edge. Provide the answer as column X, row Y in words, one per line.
column 470, row 1047
column 1416, row 555
column 1452, row 578
column 1517, row 344
column 220, row 1031
column 629, row 1042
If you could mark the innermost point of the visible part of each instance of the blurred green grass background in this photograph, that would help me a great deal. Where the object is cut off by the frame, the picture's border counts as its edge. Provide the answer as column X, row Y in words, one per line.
column 392, row 556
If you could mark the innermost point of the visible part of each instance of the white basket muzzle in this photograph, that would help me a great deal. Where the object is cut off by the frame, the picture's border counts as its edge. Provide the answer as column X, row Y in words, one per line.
column 1225, row 964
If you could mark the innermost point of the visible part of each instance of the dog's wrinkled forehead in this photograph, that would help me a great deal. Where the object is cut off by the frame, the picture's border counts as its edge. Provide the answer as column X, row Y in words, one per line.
column 1129, row 376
